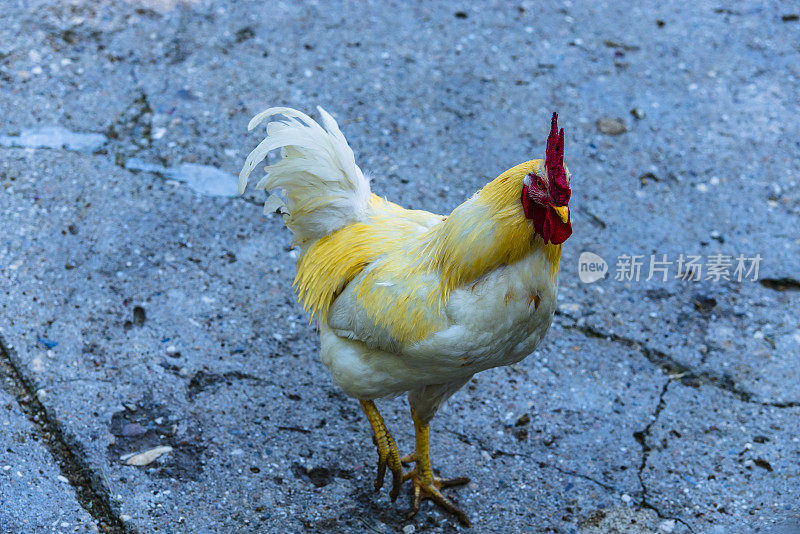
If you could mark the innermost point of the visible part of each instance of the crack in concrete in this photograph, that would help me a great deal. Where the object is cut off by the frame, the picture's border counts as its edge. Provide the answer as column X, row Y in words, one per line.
column 674, row 369
column 494, row 453
column 641, row 437
column 135, row 120
column 90, row 491
column 203, row 380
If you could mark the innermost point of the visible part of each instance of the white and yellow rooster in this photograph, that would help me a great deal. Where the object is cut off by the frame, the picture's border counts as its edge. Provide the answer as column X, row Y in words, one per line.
column 408, row 301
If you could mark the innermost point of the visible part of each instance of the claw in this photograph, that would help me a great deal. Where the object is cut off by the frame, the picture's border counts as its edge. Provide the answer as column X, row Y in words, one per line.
column 397, row 473
column 423, row 490
column 415, row 500
column 397, row 482
column 389, row 456
column 381, row 473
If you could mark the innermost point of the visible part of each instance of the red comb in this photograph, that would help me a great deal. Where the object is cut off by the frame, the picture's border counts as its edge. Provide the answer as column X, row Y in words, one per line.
column 554, row 163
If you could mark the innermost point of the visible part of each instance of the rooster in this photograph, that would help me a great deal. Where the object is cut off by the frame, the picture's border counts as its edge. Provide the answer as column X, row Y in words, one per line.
column 406, row 301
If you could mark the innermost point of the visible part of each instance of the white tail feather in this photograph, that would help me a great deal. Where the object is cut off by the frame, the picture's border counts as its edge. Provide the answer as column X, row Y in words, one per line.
column 323, row 188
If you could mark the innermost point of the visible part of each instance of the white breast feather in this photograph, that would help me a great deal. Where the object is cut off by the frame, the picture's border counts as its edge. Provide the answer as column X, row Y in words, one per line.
column 485, row 330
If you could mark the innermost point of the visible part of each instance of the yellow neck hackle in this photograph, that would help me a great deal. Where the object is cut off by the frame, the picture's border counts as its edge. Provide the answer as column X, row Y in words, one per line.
column 487, row 231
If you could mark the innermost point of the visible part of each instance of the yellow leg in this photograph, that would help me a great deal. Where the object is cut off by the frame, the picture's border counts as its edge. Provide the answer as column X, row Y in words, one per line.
column 388, row 455
column 426, row 485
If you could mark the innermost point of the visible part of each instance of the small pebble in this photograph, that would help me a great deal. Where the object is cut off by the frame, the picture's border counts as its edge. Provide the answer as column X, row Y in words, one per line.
column 133, row 429
column 37, row 365
column 611, row 126
column 570, row 307
column 146, row 457
column 638, row 113
column 409, row 529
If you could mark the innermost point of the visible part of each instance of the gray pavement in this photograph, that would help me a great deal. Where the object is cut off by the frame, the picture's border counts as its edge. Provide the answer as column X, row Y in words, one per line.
column 147, row 315
column 35, row 497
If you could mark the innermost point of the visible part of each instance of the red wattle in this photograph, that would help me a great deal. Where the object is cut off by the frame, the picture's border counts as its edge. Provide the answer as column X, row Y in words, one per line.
column 546, row 221
column 549, row 225
column 561, row 230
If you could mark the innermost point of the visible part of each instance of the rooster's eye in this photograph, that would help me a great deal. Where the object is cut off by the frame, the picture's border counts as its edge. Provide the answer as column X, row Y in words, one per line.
column 539, row 183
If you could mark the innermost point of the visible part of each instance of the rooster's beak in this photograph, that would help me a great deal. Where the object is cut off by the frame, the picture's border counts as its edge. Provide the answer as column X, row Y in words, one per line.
column 563, row 213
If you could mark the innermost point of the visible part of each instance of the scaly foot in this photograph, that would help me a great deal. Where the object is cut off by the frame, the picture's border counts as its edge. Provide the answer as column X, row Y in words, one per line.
column 388, row 455
column 430, row 488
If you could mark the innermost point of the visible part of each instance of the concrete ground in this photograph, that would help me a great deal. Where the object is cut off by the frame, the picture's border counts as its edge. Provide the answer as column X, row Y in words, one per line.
column 144, row 308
